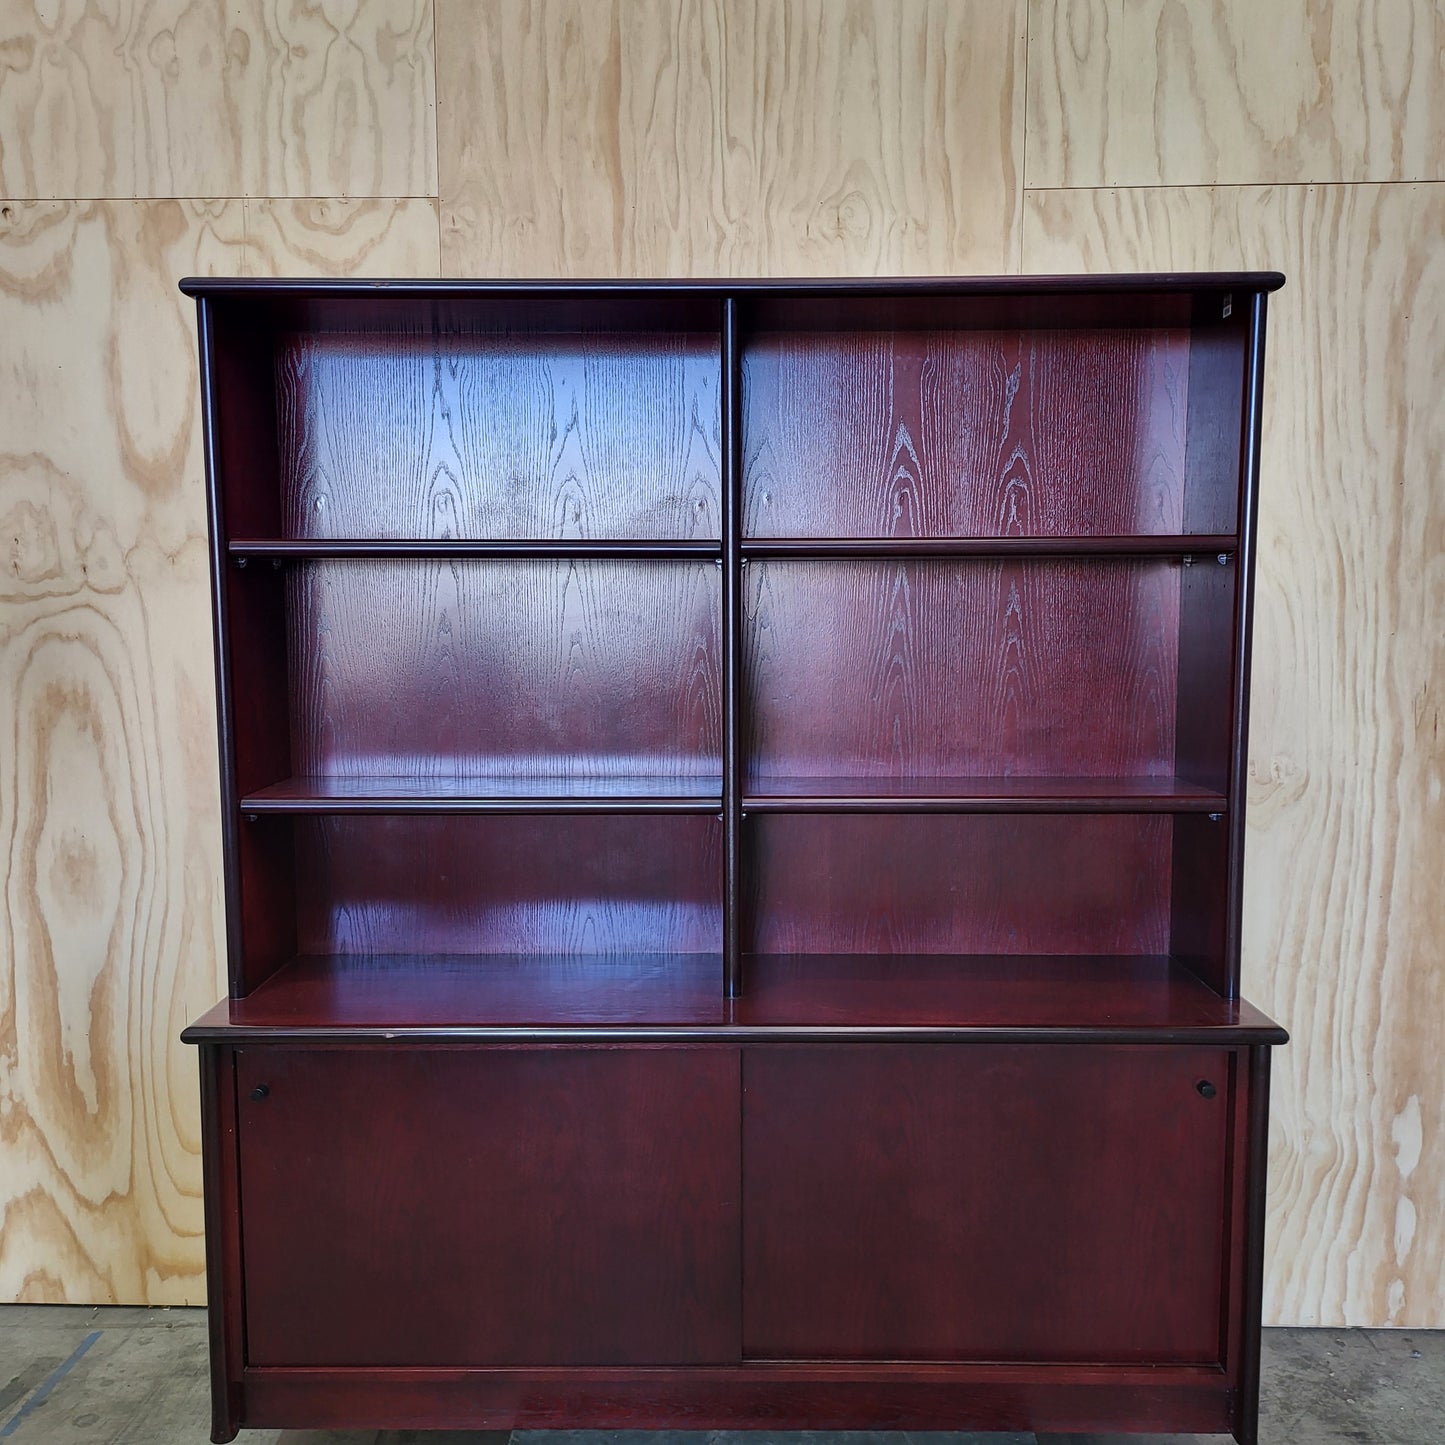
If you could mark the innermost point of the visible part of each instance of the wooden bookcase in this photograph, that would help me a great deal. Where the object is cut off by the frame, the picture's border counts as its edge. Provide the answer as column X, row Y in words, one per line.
column 733, row 811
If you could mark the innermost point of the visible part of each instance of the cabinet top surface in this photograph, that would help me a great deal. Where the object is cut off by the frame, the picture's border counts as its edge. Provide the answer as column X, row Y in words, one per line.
column 676, row 998
column 254, row 286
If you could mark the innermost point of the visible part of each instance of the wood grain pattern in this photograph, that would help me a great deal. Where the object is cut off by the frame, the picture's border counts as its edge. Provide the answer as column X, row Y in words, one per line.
column 337, row 236
column 111, row 916
column 1152, row 93
column 955, row 669
column 872, row 137
column 987, row 1203
column 503, row 436
column 580, row 138
column 894, row 883
column 1343, row 909
column 964, row 433
column 675, row 137
column 110, row 927
column 188, row 98
column 506, row 669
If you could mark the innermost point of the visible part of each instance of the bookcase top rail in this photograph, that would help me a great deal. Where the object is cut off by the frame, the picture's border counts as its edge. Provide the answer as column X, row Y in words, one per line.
column 1180, row 281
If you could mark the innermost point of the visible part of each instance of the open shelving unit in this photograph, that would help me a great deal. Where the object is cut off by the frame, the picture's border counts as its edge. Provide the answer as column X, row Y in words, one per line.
column 654, row 718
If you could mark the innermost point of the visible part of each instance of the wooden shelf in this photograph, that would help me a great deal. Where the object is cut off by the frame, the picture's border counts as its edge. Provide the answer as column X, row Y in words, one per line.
column 1173, row 545
column 610, row 794
column 282, row 549
column 677, row 997
column 981, row 795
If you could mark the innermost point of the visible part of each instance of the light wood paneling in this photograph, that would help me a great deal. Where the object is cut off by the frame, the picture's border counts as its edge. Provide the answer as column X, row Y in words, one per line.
column 1154, row 92
column 110, row 928
column 196, row 98
column 1344, row 908
column 676, row 137
column 580, row 138
column 705, row 137
column 341, row 238
column 873, row 137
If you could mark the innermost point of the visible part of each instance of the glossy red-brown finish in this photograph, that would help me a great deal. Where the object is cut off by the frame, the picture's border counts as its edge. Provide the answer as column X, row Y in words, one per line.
column 734, row 768
column 1161, row 544
column 521, row 997
column 506, row 435
column 988, row 1203
column 445, row 1207
column 938, row 668
column 982, row 795
column 878, row 883
column 1219, row 347
column 452, row 794
column 505, row 669
column 1251, row 1160
column 599, row 883
column 1048, row 1398
column 223, row 1238
column 1056, row 432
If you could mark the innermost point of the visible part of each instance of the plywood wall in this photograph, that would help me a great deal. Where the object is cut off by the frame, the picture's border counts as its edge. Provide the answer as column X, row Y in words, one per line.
column 142, row 141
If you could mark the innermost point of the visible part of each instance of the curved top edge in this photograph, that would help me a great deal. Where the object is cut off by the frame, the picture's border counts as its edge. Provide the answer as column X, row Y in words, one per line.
column 423, row 288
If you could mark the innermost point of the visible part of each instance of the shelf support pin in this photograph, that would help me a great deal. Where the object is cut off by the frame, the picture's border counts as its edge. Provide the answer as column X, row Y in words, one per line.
column 1187, row 560
column 1223, row 559
column 241, row 561
column 1216, row 817
column 250, row 817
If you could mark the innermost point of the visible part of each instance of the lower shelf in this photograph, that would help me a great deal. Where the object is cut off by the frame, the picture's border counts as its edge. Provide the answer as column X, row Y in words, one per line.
column 679, row 996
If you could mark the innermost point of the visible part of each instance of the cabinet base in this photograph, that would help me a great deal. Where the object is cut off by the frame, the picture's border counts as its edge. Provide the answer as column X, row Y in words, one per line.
column 1057, row 1398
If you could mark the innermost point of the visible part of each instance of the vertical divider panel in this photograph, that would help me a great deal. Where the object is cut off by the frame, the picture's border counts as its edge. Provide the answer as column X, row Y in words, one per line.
column 732, row 565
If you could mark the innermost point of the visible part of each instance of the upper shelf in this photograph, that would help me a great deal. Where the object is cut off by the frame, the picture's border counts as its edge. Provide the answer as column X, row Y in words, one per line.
column 981, row 795
column 657, row 794
column 285, row 549
column 1176, row 545
column 625, row 793
column 300, row 550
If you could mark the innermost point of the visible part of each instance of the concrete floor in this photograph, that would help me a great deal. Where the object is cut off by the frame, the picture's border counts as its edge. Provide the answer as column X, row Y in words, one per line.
column 80, row 1376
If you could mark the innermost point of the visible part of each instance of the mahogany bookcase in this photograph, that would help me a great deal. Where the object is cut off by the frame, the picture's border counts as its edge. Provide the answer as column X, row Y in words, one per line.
column 733, row 829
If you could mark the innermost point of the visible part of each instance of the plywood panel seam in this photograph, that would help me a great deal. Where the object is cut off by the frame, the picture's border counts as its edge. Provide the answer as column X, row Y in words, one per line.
column 1223, row 186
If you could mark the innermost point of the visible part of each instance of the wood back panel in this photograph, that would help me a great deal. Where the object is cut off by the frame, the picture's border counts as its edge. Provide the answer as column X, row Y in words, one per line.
column 505, row 668
column 466, row 433
column 895, row 433
column 959, row 883
column 600, row 883
column 944, row 668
